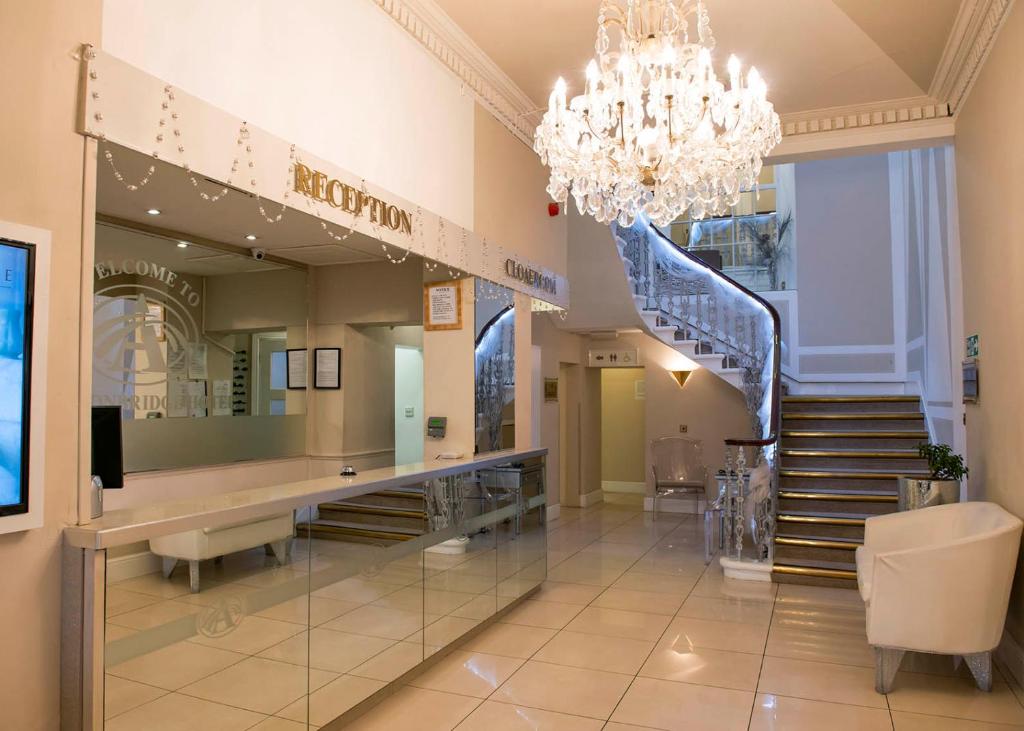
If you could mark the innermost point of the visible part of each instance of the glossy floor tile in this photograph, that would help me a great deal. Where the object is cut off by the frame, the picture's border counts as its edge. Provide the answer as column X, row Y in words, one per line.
column 629, row 632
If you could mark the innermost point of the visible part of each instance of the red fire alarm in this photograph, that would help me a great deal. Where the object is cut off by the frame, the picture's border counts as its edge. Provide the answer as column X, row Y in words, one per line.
column 552, row 209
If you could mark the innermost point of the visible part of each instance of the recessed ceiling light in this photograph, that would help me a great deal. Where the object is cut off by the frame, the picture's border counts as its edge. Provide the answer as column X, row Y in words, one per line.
column 182, row 244
column 153, row 211
column 251, row 237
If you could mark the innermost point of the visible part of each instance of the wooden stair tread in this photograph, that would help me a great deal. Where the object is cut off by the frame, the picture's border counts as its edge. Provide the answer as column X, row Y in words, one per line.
column 869, row 496
column 852, row 519
column 366, row 509
column 818, row 569
column 815, row 542
column 813, row 434
column 856, row 415
column 810, row 399
column 847, row 453
column 848, row 474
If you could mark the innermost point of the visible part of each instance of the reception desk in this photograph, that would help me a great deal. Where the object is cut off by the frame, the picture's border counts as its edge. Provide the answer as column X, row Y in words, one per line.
column 316, row 640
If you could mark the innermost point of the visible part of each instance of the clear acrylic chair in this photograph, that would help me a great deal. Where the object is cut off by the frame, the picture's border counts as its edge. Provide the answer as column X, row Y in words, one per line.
column 678, row 467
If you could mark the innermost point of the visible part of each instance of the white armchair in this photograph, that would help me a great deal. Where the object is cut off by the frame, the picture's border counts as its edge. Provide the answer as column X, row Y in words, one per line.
column 937, row 580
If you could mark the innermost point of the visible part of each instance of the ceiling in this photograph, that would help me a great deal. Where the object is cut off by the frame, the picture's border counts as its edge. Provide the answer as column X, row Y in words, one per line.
column 184, row 215
column 814, row 54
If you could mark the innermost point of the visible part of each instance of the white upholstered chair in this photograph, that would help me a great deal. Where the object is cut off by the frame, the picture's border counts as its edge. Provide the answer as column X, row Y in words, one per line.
column 937, row 580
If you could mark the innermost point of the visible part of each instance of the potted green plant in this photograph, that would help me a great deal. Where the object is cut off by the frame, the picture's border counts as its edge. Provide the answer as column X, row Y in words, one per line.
column 941, row 487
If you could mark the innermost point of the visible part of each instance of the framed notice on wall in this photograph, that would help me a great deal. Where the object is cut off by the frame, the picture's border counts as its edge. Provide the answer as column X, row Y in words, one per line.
column 327, row 368
column 442, row 306
column 297, row 370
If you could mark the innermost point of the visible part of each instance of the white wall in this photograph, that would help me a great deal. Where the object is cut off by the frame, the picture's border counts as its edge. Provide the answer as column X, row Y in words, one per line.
column 339, row 79
column 409, row 393
column 926, row 238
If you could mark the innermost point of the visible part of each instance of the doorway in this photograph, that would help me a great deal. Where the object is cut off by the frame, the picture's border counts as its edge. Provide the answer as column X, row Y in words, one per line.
column 623, row 431
column 408, row 404
column 271, row 377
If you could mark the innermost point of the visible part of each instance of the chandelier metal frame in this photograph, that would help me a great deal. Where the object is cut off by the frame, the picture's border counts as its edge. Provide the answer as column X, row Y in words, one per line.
column 655, row 131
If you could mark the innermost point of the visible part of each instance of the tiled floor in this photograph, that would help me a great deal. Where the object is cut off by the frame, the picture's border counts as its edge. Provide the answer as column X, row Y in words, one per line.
column 631, row 631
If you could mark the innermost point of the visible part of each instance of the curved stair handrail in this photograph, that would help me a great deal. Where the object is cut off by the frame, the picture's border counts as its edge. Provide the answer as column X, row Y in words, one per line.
column 740, row 324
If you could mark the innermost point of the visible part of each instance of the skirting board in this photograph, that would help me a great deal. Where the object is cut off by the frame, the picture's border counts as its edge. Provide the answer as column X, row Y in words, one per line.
column 554, row 511
column 675, row 505
column 634, row 488
column 131, row 566
column 591, row 498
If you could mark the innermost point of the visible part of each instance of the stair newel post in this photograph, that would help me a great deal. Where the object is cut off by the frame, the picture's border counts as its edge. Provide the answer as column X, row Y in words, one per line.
column 741, row 481
column 713, row 318
column 700, row 317
column 730, row 498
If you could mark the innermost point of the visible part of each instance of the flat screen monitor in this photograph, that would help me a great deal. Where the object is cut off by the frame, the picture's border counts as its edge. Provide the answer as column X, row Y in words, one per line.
column 17, row 275
column 107, row 457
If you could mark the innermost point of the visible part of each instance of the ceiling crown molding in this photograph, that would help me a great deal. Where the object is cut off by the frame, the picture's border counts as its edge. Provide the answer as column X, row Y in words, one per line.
column 855, row 116
column 974, row 33
column 449, row 44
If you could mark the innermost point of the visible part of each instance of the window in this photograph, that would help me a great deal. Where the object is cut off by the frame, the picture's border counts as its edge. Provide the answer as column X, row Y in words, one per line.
column 734, row 234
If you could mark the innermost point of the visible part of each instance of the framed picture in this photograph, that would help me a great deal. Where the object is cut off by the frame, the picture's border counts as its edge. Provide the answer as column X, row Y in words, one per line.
column 550, row 389
column 442, row 305
column 327, row 368
column 298, row 368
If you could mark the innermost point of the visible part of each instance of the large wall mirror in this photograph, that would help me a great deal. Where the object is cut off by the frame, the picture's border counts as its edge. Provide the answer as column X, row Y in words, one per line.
column 192, row 343
column 495, row 322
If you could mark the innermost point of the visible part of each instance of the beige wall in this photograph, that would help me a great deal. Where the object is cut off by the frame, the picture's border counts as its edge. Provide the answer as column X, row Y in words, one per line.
column 369, row 294
column 711, row 409
column 448, row 381
column 623, row 418
column 990, row 165
column 46, row 162
column 510, row 204
column 559, row 348
column 256, row 300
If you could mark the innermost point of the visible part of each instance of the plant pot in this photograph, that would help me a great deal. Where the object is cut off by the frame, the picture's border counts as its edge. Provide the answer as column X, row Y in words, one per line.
column 913, row 494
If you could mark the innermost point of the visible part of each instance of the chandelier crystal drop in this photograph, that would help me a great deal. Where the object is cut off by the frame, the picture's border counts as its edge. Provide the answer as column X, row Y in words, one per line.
column 655, row 131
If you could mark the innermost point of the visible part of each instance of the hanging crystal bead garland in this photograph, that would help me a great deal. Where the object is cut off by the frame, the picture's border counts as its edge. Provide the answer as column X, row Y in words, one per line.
column 655, row 131
column 90, row 54
column 168, row 106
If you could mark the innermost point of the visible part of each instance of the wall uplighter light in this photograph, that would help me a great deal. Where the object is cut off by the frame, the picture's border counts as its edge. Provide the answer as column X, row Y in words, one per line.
column 680, row 376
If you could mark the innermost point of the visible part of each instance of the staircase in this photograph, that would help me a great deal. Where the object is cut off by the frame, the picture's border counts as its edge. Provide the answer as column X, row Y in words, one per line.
column 840, row 459
column 383, row 517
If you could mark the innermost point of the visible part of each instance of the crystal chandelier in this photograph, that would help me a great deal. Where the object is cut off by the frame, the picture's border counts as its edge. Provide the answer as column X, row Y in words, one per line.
column 656, row 131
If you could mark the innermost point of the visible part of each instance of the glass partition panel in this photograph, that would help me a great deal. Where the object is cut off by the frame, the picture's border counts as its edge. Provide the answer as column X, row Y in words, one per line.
column 284, row 616
column 460, row 565
column 219, row 636
column 522, row 536
column 495, row 367
column 191, row 343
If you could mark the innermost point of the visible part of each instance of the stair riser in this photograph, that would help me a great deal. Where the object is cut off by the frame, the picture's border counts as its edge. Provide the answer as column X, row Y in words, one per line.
column 414, row 502
column 333, row 536
column 889, row 464
column 817, row 530
column 798, row 554
column 346, row 516
column 852, row 442
column 857, row 407
column 843, row 483
column 813, row 581
column 853, row 424
column 835, row 506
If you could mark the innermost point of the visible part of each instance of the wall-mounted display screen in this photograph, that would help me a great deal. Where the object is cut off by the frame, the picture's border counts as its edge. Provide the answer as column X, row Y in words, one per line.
column 17, row 262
